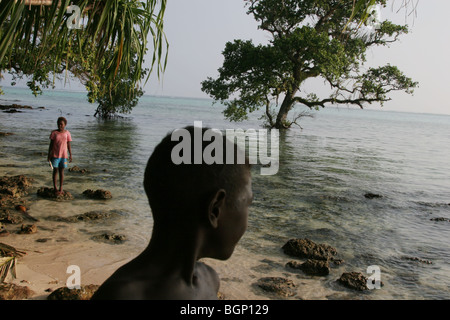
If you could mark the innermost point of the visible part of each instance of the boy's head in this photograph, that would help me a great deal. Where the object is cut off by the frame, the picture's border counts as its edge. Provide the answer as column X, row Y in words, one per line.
column 210, row 196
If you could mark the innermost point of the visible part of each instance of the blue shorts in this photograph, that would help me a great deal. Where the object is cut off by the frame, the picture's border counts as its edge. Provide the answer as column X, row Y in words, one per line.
column 59, row 162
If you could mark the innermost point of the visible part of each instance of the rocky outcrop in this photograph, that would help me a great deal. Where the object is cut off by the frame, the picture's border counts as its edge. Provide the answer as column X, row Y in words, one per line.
column 418, row 260
column 8, row 217
column 49, row 193
column 311, row 267
column 440, row 219
column 280, row 286
column 13, row 187
column 28, row 229
column 354, row 280
column 108, row 237
column 12, row 208
column 84, row 293
column 97, row 194
column 370, row 195
column 305, row 248
column 14, row 106
column 78, row 170
column 10, row 291
column 88, row 216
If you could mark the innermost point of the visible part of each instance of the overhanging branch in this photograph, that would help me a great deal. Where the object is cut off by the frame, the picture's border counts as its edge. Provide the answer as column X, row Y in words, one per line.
column 322, row 103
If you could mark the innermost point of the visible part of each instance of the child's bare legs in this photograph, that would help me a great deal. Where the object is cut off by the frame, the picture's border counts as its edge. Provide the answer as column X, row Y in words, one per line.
column 55, row 172
column 61, row 180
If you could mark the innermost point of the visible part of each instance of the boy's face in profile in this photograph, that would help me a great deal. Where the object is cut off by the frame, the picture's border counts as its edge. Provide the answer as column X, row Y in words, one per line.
column 234, row 223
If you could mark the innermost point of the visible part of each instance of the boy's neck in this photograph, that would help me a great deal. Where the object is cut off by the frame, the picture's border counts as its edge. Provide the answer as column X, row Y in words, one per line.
column 178, row 257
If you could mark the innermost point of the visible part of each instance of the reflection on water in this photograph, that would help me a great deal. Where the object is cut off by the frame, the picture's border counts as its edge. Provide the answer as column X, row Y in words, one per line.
column 110, row 145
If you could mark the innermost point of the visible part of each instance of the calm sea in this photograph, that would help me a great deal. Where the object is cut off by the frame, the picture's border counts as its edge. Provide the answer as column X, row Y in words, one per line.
column 318, row 193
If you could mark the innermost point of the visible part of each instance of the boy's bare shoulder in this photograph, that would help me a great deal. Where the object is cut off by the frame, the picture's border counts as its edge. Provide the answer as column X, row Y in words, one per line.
column 150, row 286
column 208, row 274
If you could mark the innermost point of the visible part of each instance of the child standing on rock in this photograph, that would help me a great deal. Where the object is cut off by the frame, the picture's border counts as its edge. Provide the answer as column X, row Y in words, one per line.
column 57, row 152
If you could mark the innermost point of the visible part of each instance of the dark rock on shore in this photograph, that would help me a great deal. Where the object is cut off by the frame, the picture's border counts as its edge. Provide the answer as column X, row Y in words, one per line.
column 305, row 248
column 110, row 238
column 64, row 293
column 13, row 187
column 88, row 216
column 49, row 193
column 354, row 280
column 278, row 285
column 440, row 219
column 78, row 170
column 11, row 218
column 14, row 106
column 97, row 194
column 370, row 195
column 10, row 291
column 12, row 111
column 311, row 267
column 29, row 229
column 418, row 260
column 3, row 231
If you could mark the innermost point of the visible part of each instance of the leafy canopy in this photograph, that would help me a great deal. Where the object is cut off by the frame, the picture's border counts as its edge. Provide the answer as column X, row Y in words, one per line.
column 106, row 54
column 309, row 39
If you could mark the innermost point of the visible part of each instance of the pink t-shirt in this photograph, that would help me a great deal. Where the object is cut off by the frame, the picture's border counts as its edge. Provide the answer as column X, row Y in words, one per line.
column 60, row 140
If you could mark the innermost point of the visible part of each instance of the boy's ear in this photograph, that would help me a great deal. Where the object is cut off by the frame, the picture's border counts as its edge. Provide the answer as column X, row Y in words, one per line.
column 216, row 206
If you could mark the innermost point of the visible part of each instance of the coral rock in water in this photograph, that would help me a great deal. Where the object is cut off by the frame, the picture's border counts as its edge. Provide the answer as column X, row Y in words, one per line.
column 281, row 286
column 354, row 280
column 97, row 194
column 311, row 267
column 64, row 293
column 305, row 248
column 10, row 291
column 49, row 193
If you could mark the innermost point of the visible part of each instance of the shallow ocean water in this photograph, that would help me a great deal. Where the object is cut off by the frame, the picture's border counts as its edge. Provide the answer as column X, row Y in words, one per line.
column 318, row 193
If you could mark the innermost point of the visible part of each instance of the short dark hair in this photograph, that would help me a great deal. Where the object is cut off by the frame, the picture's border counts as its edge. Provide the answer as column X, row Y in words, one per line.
column 172, row 188
column 62, row 119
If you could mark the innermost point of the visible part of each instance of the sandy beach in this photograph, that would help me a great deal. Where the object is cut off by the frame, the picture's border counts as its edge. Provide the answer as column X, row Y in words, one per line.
column 57, row 245
column 43, row 268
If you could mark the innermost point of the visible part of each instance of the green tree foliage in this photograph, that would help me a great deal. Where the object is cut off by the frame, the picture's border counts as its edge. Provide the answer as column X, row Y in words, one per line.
column 309, row 39
column 106, row 54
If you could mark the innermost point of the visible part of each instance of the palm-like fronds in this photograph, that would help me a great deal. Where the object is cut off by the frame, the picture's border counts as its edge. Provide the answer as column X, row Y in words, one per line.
column 8, row 257
column 7, row 264
column 35, row 36
column 8, row 251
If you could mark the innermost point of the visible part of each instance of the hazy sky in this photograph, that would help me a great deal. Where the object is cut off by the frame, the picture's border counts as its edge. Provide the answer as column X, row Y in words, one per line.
column 197, row 31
